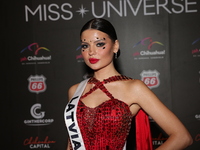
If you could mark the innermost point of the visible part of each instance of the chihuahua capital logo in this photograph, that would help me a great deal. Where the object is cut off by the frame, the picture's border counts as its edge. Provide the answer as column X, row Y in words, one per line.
column 34, row 54
column 148, row 49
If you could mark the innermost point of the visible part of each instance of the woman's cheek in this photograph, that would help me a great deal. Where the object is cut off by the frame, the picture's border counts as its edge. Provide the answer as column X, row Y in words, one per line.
column 83, row 55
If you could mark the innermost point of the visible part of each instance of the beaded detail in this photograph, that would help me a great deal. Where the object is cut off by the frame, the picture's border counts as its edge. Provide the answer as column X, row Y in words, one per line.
column 110, row 79
column 106, row 126
column 100, row 85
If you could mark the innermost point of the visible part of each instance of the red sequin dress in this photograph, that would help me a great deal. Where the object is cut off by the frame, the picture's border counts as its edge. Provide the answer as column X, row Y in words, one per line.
column 106, row 126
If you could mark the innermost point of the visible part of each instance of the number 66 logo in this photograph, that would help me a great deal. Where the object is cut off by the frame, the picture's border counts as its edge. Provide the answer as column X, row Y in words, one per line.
column 150, row 78
column 37, row 84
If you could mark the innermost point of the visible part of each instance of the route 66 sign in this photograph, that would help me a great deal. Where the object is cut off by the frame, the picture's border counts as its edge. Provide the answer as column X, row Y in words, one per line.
column 37, row 84
column 150, row 78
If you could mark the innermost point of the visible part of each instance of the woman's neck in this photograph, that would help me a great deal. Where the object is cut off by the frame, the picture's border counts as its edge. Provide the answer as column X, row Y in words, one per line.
column 106, row 72
column 100, row 75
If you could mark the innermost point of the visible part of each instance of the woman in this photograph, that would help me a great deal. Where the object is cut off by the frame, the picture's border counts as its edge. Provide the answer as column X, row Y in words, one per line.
column 109, row 100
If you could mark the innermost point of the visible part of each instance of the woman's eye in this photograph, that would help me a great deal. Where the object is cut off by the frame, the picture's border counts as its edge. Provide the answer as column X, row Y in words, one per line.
column 100, row 44
column 84, row 46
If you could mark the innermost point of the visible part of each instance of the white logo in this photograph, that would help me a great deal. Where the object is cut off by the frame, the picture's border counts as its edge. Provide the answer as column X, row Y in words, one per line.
column 197, row 116
column 36, row 113
column 150, row 78
column 65, row 11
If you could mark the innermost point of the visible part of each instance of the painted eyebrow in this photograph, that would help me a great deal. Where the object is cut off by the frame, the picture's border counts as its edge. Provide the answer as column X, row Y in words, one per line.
column 84, row 42
column 99, row 40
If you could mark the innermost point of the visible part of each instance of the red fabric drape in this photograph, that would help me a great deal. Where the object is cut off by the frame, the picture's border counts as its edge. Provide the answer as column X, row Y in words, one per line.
column 143, row 132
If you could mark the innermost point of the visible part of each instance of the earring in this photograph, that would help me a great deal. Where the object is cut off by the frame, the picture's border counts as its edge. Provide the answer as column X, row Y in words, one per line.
column 116, row 55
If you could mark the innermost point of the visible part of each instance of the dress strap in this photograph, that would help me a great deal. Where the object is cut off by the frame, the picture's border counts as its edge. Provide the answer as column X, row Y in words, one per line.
column 100, row 84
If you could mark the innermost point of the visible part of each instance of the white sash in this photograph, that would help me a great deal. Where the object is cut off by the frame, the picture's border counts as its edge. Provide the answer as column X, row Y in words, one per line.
column 71, row 120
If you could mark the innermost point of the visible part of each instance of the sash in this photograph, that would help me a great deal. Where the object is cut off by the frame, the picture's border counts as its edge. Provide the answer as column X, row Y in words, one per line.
column 71, row 120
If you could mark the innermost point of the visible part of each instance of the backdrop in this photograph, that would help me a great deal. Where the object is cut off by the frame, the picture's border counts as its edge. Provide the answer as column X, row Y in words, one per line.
column 159, row 42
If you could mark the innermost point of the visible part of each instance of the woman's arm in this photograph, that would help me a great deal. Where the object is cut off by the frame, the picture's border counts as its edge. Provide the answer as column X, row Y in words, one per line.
column 68, row 147
column 179, row 137
column 71, row 91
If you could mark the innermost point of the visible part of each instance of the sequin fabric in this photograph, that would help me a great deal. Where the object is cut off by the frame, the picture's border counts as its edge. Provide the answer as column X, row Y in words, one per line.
column 106, row 126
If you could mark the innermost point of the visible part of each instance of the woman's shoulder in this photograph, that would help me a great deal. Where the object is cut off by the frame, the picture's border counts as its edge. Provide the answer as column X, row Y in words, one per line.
column 136, row 84
column 136, row 87
column 72, row 90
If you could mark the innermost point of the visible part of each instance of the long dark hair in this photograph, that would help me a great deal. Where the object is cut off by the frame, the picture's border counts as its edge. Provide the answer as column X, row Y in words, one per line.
column 101, row 25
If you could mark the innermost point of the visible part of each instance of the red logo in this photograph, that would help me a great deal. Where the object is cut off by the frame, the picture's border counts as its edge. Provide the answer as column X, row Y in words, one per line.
column 159, row 140
column 150, row 78
column 35, row 143
column 37, row 84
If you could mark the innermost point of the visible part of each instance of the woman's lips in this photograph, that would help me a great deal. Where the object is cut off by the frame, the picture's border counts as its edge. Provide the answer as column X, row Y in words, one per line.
column 93, row 60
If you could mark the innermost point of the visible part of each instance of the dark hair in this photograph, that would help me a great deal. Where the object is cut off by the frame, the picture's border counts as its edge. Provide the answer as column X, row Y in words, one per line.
column 101, row 25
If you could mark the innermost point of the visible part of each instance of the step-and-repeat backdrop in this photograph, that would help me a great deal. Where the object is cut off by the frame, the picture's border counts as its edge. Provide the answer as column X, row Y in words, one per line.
column 159, row 43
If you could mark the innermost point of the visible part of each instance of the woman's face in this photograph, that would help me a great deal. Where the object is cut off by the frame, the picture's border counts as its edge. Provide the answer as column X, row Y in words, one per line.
column 97, row 49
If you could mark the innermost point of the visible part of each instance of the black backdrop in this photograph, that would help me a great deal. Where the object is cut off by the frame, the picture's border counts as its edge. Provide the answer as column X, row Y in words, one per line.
column 159, row 42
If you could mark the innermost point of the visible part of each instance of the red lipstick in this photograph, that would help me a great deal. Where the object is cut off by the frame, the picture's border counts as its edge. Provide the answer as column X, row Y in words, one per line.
column 93, row 60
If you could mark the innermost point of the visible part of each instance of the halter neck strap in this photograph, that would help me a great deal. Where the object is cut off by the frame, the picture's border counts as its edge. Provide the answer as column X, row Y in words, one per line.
column 100, row 84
